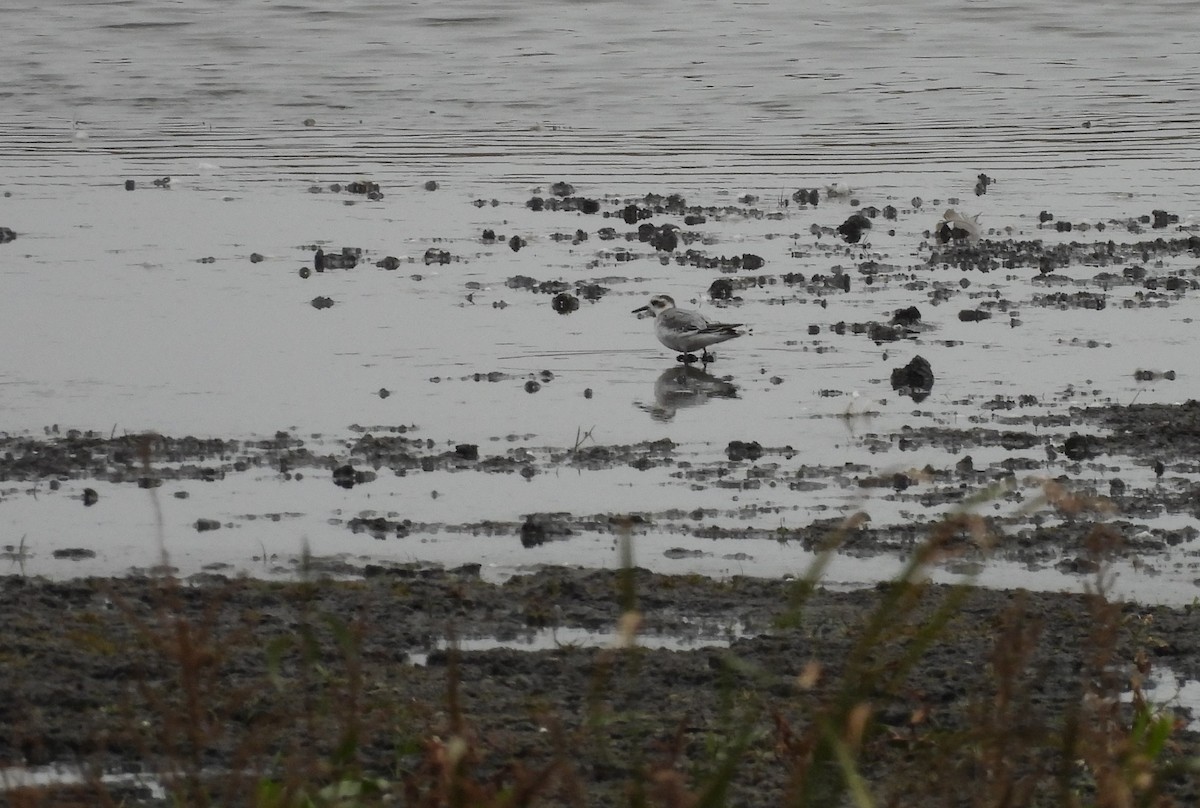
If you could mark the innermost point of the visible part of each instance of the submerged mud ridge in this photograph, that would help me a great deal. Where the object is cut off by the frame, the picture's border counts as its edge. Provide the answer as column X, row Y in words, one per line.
column 283, row 671
column 1033, row 488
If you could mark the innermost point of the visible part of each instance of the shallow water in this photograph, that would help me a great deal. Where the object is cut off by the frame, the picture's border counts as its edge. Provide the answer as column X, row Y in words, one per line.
column 139, row 311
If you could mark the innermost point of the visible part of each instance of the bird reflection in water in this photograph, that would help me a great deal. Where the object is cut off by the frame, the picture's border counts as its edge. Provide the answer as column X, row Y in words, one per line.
column 685, row 386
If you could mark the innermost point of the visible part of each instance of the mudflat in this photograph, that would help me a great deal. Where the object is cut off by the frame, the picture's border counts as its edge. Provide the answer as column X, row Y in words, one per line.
column 644, row 684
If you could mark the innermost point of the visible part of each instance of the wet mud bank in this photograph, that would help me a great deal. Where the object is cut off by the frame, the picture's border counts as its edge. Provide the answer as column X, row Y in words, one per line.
column 151, row 675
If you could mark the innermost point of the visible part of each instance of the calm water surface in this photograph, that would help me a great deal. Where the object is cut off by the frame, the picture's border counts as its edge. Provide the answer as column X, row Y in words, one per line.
column 1089, row 110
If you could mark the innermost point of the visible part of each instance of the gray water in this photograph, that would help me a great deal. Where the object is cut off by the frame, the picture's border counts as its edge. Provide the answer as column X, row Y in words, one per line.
column 746, row 88
column 116, row 320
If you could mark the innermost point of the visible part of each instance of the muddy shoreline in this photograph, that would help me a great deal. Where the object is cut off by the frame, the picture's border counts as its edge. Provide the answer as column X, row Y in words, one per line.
column 648, row 680
column 92, row 676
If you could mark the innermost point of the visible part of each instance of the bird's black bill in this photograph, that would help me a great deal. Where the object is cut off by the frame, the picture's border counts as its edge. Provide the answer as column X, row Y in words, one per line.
column 639, row 311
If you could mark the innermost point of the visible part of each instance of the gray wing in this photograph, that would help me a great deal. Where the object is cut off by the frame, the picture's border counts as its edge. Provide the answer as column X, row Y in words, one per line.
column 686, row 321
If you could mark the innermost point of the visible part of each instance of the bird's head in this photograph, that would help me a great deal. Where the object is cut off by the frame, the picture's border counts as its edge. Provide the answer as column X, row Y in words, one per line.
column 657, row 305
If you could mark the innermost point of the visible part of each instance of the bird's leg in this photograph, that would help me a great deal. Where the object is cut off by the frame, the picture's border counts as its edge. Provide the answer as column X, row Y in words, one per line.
column 706, row 357
column 686, row 358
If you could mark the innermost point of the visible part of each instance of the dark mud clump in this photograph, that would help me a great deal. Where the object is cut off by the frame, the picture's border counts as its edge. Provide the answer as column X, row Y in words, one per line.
column 914, row 380
column 346, row 258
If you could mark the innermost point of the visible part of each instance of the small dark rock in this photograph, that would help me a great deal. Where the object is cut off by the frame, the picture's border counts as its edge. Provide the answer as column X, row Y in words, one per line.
column 914, row 380
column 347, row 476
column 565, row 303
column 806, row 196
column 721, row 289
column 344, row 476
column 347, row 258
column 436, row 256
column 740, row 450
column 1163, row 219
column 852, row 229
column 878, row 332
column 665, row 238
column 907, row 317
column 632, row 214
